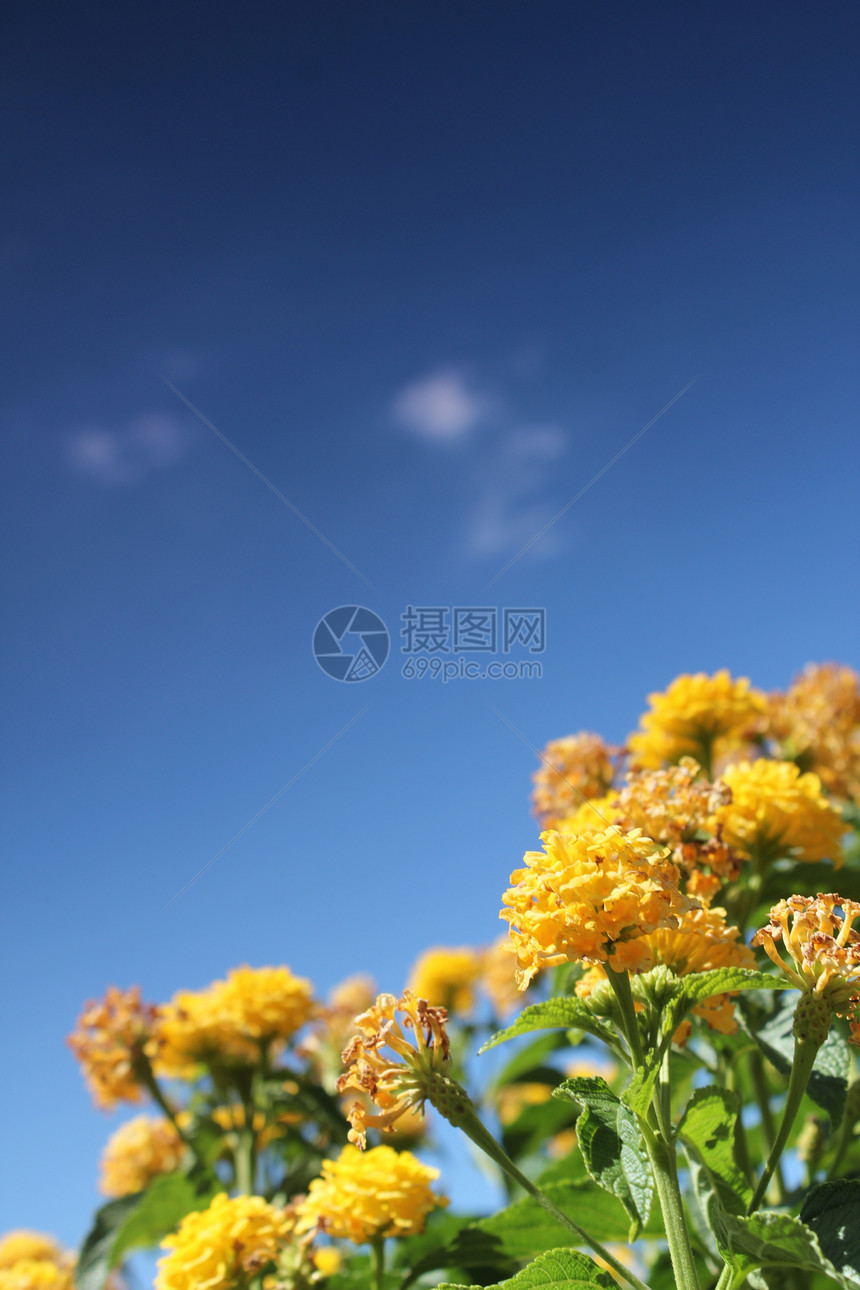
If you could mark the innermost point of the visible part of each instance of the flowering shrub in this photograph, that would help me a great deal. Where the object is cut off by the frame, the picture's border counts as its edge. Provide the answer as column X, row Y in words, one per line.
column 678, row 1105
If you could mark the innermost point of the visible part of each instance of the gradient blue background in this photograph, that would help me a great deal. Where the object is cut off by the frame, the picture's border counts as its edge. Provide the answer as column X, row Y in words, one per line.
column 540, row 221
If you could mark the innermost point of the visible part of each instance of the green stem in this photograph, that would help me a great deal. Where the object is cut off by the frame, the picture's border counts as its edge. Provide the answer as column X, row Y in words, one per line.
column 468, row 1121
column 742, row 1152
column 665, row 1170
column 805, row 1052
column 377, row 1262
column 243, row 1161
column 620, row 982
column 730, row 1278
column 147, row 1078
column 660, row 1145
column 768, row 1124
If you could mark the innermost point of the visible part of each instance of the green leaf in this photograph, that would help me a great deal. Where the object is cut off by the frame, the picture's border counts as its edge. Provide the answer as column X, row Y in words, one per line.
column 696, row 987
column 611, row 1146
column 94, row 1259
column 832, row 1211
column 768, row 1239
column 140, row 1221
column 829, row 1080
column 529, row 1058
column 162, row 1207
column 552, row 1014
column 564, row 1269
column 708, row 1127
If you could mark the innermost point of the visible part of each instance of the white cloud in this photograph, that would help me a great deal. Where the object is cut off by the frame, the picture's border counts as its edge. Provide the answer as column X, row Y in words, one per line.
column 440, row 406
column 116, row 458
column 509, row 510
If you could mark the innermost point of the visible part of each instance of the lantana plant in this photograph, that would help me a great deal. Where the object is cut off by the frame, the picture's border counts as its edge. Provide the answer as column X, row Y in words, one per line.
column 657, row 1060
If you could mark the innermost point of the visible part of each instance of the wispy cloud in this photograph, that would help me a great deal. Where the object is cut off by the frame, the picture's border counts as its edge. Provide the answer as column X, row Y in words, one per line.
column 118, row 458
column 510, row 506
column 440, row 406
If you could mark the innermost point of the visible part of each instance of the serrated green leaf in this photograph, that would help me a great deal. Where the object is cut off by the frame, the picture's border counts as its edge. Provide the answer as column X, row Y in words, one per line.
column 832, row 1211
column 708, row 1127
column 766, row 1239
column 611, row 1145
column 828, row 1083
column 697, row 987
column 552, row 1014
column 562, row 1269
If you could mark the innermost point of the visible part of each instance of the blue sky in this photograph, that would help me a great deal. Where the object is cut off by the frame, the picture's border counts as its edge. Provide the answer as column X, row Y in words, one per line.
column 429, row 269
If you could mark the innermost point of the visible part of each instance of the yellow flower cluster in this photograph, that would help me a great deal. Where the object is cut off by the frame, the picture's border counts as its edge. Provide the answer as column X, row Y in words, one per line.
column 579, row 766
column 365, row 1195
column 396, row 1080
column 775, row 810
column 31, row 1261
column 109, row 1043
column 32, row 1274
column 697, row 716
column 824, row 947
column 32, row 1246
column 137, row 1152
column 498, row 977
column 446, row 977
column 231, row 1020
column 817, row 724
column 701, row 942
column 592, row 898
column 677, row 807
column 224, row 1246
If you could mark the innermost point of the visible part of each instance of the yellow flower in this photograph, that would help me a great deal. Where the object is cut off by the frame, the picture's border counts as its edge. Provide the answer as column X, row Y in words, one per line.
column 594, row 813
column 36, row 1274
column 327, row 1260
column 109, row 1042
column 232, row 1020
column 513, row 1099
column 817, row 724
column 577, row 767
column 701, row 942
column 822, row 944
column 777, row 811
column 445, row 977
column 232, row 1119
column 692, row 716
column 498, row 977
column 33, row 1246
column 137, row 1152
column 363, row 1195
column 395, row 1080
column 677, row 807
column 591, row 897
column 224, row 1246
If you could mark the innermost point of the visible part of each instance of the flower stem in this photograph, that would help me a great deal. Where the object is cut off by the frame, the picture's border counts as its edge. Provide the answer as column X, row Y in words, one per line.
column 377, row 1261
column 659, row 1143
column 762, row 1095
column 665, row 1169
column 467, row 1120
column 620, row 982
column 805, row 1052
